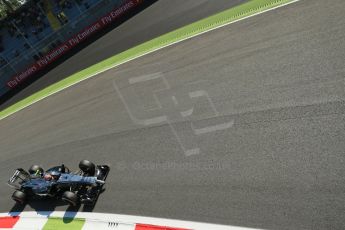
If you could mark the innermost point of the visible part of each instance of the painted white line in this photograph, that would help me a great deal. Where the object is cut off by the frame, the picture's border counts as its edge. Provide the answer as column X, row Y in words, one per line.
column 192, row 152
column 214, row 128
column 187, row 113
column 114, row 221
column 145, row 122
column 149, row 52
column 134, row 80
column 174, row 100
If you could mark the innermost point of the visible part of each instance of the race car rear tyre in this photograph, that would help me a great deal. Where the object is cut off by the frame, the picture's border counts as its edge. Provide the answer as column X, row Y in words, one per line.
column 71, row 198
column 35, row 169
column 87, row 167
column 19, row 197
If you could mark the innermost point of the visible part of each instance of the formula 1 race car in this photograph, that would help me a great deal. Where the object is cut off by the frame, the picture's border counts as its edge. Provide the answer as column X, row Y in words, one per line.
column 81, row 187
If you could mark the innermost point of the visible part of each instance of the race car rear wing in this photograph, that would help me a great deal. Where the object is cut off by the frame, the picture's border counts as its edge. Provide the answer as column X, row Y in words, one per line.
column 19, row 176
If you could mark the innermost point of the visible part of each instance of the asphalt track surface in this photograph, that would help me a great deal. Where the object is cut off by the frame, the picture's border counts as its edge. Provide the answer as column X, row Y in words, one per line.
column 267, row 95
column 161, row 17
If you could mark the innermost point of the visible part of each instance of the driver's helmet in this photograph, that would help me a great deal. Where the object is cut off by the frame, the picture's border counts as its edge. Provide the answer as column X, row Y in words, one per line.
column 55, row 175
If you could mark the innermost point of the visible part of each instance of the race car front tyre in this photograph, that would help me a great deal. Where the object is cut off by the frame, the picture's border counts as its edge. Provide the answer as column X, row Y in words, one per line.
column 87, row 167
column 71, row 198
column 35, row 169
column 19, row 197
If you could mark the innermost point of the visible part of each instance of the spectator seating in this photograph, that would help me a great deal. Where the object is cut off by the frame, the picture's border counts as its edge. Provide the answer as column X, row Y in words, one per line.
column 28, row 33
column 1, row 44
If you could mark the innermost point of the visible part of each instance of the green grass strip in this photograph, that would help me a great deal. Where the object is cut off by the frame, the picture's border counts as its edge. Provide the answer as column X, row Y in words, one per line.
column 225, row 17
column 55, row 223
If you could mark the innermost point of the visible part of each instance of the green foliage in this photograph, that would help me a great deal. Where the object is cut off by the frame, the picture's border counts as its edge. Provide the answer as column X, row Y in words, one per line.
column 3, row 12
column 7, row 6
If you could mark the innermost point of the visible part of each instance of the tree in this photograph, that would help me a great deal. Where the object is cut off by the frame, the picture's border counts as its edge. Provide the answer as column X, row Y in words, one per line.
column 9, row 6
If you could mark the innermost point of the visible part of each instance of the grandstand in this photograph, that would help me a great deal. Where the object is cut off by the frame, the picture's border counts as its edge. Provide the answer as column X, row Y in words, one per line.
column 35, row 20
column 36, row 27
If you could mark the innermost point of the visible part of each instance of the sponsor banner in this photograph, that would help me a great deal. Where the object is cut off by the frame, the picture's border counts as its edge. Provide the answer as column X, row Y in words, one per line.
column 72, row 42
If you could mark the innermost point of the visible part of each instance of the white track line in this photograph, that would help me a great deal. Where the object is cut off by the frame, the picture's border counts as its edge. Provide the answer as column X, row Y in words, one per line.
column 149, row 52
